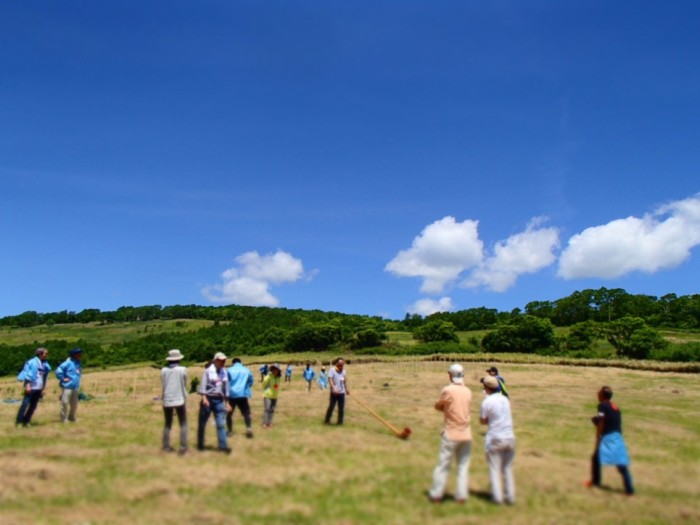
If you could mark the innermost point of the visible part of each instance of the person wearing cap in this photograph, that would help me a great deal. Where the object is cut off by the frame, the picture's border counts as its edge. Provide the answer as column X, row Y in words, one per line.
column 214, row 391
column 271, row 393
column 174, row 380
column 455, row 404
column 33, row 377
column 493, row 372
column 610, row 447
column 69, row 374
column 240, row 381
column 339, row 387
column 499, row 440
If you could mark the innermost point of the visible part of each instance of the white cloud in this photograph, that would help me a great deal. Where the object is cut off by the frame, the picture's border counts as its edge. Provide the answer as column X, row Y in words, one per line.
column 446, row 250
column 425, row 307
column 525, row 252
column 442, row 251
column 660, row 240
column 249, row 283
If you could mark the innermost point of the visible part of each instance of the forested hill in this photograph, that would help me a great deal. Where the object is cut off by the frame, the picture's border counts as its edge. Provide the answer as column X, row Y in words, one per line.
column 602, row 305
column 591, row 323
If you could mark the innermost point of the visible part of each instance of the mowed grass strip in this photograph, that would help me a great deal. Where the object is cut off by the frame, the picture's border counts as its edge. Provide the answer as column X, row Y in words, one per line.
column 108, row 467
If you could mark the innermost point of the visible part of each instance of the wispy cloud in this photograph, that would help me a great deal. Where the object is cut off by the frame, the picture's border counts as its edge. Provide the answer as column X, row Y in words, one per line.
column 427, row 306
column 659, row 240
column 525, row 252
column 250, row 281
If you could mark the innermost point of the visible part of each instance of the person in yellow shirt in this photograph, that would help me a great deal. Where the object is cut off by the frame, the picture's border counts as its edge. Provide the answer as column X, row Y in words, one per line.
column 455, row 404
column 271, row 392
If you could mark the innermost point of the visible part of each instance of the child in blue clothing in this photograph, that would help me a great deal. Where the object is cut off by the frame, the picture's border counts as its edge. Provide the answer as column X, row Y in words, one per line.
column 322, row 379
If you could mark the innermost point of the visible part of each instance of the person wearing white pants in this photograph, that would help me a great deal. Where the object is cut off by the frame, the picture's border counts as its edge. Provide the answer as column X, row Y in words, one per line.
column 500, row 441
column 455, row 404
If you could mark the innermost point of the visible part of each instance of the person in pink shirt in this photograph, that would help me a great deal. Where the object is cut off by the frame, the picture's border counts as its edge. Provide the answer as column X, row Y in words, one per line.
column 455, row 404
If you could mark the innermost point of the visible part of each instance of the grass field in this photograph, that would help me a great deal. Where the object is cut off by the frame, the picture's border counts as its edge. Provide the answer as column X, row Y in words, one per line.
column 108, row 467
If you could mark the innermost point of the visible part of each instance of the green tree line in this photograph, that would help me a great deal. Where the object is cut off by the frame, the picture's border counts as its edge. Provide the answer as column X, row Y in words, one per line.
column 629, row 323
column 602, row 305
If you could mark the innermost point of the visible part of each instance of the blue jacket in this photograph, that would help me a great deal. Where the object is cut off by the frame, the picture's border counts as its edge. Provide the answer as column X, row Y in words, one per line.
column 309, row 374
column 32, row 370
column 70, row 369
column 240, row 381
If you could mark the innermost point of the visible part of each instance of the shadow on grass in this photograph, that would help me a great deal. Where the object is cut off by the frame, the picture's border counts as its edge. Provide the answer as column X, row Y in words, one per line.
column 607, row 488
column 480, row 494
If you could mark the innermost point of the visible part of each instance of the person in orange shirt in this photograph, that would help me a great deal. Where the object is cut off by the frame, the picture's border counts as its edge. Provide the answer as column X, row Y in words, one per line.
column 455, row 404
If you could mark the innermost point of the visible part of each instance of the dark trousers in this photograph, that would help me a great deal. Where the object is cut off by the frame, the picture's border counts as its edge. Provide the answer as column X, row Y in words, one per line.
column 181, row 412
column 622, row 469
column 242, row 404
column 28, row 406
column 336, row 399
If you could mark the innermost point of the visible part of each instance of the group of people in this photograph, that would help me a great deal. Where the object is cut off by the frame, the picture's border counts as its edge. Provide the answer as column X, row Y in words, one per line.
column 223, row 390
column 455, row 404
column 34, row 377
column 495, row 412
column 309, row 375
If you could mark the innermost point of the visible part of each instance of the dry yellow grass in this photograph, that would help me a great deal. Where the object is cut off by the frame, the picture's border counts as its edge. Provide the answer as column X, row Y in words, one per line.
column 107, row 468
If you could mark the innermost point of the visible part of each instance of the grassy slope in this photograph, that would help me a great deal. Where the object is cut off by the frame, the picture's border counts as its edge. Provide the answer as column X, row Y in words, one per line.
column 107, row 468
column 117, row 332
column 101, row 334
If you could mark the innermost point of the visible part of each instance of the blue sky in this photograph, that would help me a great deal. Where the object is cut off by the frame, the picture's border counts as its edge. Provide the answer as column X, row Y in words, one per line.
column 364, row 157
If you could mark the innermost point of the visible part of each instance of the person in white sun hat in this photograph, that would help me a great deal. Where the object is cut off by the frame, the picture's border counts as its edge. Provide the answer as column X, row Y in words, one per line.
column 174, row 380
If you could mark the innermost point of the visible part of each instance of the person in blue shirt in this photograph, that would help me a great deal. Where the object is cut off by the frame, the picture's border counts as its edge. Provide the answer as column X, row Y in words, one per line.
column 264, row 369
column 240, row 381
column 33, row 377
column 288, row 374
column 309, row 375
column 68, row 374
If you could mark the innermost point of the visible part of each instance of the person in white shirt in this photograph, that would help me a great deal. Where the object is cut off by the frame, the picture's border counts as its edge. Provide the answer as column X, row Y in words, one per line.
column 339, row 388
column 500, row 440
column 214, row 391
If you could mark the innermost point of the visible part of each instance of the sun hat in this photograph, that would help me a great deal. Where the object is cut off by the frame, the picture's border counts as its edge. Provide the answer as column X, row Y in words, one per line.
column 76, row 351
column 174, row 355
column 219, row 355
column 491, row 382
column 275, row 365
column 457, row 373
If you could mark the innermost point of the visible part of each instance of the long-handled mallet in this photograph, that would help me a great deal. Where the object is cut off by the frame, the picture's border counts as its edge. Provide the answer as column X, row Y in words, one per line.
column 402, row 434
